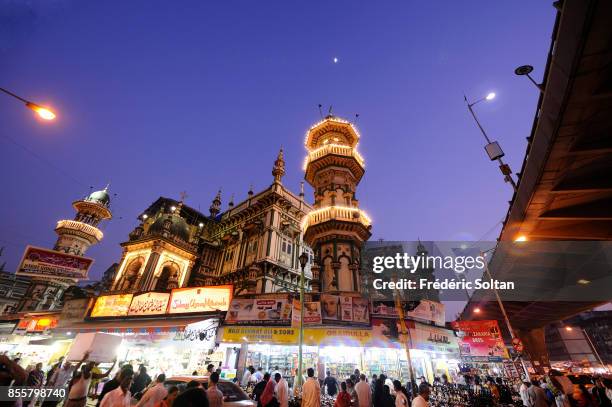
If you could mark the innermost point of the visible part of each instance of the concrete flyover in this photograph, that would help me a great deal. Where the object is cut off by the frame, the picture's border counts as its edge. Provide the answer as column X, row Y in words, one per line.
column 565, row 184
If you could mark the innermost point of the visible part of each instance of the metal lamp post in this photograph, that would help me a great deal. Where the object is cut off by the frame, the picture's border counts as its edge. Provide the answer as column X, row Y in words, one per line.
column 43, row 112
column 492, row 148
column 303, row 262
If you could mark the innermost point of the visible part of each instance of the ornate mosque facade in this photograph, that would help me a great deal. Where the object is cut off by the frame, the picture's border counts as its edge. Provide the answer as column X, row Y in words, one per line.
column 255, row 244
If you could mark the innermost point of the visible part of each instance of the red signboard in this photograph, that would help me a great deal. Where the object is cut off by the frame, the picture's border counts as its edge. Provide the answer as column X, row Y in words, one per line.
column 50, row 264
column 481, row 341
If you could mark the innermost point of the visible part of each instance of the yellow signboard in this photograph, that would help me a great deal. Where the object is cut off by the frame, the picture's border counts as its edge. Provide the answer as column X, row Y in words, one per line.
column 200, row 299
column 112, row 305
column 289, row 335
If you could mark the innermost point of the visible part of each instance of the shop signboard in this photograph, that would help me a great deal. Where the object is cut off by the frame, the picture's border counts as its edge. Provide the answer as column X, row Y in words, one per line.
column 428, row 311
column 344, row 310
column 51, row 264
column 259, row 312
column 481, row 341
column 434, row 339
column 74, row 310
column 36, row 324
column 149, row 304
column 265, row 334
column 312, row 313
column 290, row 335
column 111, row 306
column 200, row 299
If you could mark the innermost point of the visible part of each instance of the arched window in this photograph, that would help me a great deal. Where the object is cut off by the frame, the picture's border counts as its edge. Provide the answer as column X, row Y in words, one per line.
column 168, row 270
column 130, row 275
column 345, row 275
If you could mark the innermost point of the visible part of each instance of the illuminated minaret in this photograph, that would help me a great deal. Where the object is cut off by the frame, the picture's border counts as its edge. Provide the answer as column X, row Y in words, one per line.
column 75, row 236
column 336, row 228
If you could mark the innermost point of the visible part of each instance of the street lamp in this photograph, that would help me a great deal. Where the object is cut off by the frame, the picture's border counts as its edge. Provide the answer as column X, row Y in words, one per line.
column 525, row 70
column 493, row 149
column 43, row 112
column 303, row 262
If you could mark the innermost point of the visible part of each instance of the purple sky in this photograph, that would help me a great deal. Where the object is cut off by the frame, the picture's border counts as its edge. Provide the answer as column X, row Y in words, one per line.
column 158, row 99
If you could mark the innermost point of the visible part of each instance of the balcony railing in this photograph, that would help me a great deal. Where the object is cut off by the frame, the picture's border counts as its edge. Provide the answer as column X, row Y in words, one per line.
column 336, row 149
column 81, row 227
column 341, row 213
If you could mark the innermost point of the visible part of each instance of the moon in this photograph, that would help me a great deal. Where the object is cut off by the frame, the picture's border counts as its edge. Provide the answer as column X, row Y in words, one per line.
column 335, row 60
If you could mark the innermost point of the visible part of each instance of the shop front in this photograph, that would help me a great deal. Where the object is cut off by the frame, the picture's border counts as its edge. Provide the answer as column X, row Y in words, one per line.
column 341, row 350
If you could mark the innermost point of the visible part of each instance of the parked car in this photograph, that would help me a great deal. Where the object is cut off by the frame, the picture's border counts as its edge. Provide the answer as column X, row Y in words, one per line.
column 233, row 395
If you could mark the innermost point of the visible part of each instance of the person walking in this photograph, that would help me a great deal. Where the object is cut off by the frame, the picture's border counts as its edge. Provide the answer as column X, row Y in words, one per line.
column 141, row 380
column 422, row 400
column 246, row 376
column 155, row 394
column 350, row 388
column 330, row 385
column 311, row 391
column 267, row 397
column 282, row 390
column 344, row 398
column 537, row 395
column 524, row 393
column 214, row 395
column 77, row 396
column 168, row 401
column 364, row 393
column 258, row 376
column 260, row 387
column 401, row 396
column 59, row 380
column 121, row 396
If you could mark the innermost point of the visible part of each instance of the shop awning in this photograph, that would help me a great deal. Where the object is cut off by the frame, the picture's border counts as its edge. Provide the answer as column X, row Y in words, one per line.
column 147, row 326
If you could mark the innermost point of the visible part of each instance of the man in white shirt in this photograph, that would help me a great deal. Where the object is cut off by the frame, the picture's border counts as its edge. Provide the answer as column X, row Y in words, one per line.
column 364, row 393
column 311, row 391
column 258, row 376
column 120, row 397
column 422, row 400
column 155, row 394
column 282, row 390
column 214, row 395
column 246, row 376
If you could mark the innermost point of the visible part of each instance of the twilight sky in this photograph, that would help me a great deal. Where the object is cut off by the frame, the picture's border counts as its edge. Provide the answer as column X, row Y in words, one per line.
column 157, row 99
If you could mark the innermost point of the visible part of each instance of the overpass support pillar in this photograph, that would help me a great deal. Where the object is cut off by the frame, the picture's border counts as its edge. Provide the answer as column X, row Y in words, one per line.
column 535, row 348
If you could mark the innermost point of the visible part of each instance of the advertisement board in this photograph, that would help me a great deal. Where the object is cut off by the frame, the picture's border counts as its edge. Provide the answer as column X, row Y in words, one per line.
column 480, row 341
column 149, row 304
column 74, row 310
column 428, row 311
column 344, row 309
column 111, row 305
column 312, row 313
column 200, row 299
column 36, row 324
column 50, row 264
column 259, row 311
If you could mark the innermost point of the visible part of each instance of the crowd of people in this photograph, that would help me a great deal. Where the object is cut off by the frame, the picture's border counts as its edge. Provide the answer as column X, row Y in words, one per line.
column 357, row 390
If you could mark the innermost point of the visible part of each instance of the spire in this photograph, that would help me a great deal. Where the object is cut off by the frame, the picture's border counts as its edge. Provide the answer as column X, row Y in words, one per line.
column 250, row 193
column 302, row 190
column 215, row 207
column 179, row 206
column 231, row 202
column 279, row 167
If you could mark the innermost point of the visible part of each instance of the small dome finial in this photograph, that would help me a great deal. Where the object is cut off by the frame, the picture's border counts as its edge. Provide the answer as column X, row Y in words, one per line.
column 250, row 193
column 215, row 207
column 278, row 171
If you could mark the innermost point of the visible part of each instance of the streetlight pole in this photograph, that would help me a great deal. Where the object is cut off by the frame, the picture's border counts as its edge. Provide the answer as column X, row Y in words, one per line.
column 43, row 112
column 506, row 319
column 303, row 261
column 492, row 148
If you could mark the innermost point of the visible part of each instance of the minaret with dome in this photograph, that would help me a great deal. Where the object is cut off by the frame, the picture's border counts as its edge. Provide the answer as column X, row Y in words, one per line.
column 336, row 227
column 77, row 235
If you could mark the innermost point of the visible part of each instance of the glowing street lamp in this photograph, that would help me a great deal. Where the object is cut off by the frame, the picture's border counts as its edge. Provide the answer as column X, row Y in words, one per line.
column 43, row 112
column 493, row 149
column 521, row 238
